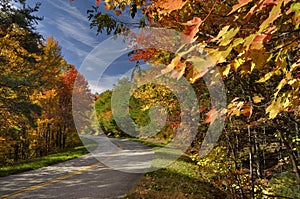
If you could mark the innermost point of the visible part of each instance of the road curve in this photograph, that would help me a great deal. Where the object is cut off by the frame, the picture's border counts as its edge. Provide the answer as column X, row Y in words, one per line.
column 85, row 177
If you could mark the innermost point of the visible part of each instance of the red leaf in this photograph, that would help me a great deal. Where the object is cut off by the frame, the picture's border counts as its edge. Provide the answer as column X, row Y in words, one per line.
column 202, row 108
column 97, row 2
column 270, row 2
column 238, row 6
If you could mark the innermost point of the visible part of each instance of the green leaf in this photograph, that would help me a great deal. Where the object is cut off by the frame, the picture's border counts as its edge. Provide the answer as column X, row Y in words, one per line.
column 295, row 6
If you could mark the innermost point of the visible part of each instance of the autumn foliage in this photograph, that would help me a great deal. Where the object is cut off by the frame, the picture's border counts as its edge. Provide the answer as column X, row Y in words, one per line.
column 254, row 46
column 36, row 89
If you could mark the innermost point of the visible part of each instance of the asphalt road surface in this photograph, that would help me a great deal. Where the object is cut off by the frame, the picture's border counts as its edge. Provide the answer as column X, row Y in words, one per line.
column 97, row 175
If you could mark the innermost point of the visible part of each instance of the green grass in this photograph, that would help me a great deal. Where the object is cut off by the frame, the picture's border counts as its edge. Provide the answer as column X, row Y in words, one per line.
column 178, row 180
column 58, row 157
column 181, row 179
column 283, row 185
column 152, row 144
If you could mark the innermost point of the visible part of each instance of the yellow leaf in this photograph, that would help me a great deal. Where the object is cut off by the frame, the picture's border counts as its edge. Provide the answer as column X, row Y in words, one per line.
column 257, row 99
column 274, row 14
column 237, row 42
column 202, row 65
column 172, row 65
column 259, row 58
column 274, row 108
column 266, row 77
column 221, row 33
column 280, row 86
column 228, row 36
column 286, row 103
column 238, row 62
column 226, row 70
column 219, row 56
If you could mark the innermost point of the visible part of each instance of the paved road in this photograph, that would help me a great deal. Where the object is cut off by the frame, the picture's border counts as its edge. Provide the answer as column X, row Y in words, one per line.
column 84, row 177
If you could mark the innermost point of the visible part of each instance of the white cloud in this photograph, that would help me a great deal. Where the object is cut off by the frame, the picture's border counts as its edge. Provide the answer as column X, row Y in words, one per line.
column 71, row 22
column 107, row 82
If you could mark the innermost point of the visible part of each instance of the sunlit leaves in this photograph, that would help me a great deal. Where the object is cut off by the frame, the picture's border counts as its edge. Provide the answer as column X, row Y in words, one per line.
column 238, row 107
column 191, row 27
column 239, row 5
column 228, row 36
column 166, row 6
column 255, row 46
column 295, row 7
column 274, row 108
column 35, row 117
column 257, row 99
column 273, row 15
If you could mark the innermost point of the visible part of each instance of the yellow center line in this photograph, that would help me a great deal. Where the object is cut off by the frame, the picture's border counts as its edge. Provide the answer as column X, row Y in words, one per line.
column 41, row 185
column 50, row 181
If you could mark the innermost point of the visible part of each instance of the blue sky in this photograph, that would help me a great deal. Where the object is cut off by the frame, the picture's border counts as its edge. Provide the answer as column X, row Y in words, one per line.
column 67, row 22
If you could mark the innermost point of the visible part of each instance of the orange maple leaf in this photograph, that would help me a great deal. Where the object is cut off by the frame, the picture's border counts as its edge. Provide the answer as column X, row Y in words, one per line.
column 97, row 2
column 192, row 27
column 118, row 12
column 169, row 6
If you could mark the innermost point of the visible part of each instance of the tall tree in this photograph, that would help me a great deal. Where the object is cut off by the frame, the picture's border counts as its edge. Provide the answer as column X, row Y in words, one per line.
column 19, row 54
column 255, row 47
column 36, row 87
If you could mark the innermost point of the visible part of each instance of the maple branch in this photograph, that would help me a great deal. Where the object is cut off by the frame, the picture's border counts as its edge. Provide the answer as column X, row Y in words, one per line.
column 284, row 34
column 284, row 46
column 213, row 7
column 124, row 22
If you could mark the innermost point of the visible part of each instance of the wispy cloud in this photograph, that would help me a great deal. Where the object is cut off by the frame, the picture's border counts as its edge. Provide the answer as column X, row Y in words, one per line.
column 75, row 30
column 78, row 52
column 72, row 23
column 68, row 9
column 69, row 25
column 107, row 82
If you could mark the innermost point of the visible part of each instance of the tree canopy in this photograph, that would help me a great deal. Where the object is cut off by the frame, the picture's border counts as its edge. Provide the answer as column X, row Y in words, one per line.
column 36, row 88
column 254, row 46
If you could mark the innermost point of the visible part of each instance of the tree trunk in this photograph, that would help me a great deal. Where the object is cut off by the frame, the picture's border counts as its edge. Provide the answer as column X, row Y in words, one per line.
column 292, row 157
column 251, row 163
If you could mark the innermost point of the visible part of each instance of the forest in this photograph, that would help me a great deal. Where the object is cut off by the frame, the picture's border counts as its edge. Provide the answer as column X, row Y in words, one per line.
column 253, row 45
column 36, row 89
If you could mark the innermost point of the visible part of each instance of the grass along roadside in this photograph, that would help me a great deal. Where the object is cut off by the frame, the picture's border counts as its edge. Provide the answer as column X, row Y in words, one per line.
column 154, row 144
column 178, row 180
column 181, row 179
column 52, row 159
